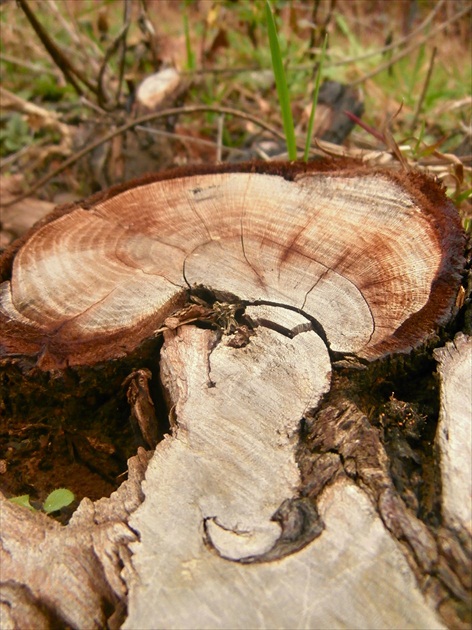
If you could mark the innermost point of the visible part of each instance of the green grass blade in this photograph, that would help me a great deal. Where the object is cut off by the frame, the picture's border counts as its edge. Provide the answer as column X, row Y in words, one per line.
column 416, row 149
column 309, row 132
column 281, row 84
column 188, row 45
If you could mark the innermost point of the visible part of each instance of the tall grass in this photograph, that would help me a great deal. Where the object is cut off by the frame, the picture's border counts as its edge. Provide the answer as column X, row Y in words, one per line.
column 281, row 84
column 282, row 89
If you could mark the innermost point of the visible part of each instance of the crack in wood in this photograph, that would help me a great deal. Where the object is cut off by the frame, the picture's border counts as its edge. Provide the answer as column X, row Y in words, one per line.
column 300, row 524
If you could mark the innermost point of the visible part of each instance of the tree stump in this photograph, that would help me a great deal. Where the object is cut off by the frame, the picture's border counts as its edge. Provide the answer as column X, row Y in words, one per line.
column 294, row 489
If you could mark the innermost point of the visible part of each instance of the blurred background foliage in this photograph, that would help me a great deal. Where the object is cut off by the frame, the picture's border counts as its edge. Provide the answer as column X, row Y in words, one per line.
column 81, row 62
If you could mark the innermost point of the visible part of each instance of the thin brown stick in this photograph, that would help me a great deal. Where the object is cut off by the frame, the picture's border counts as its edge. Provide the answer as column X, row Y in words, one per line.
column 174, row 111
column 67, row 25
column 13, row 157
column 190, row 139
column 50, row 46
column 219, row 140
column 101, row 93
column 123, row 46
column 89, row 52
column 29, row 66
column 364, row 56
column 394, row 44
column 148, row 30
column 11, row 101
column 424, row 90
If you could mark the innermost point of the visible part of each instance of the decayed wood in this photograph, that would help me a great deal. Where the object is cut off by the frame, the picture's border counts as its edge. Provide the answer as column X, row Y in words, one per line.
column 454, row 437
column 454, row 443
column 287, row 268
column 334, row 582
column 241, row 431
column 75, row 575
column 214, row 493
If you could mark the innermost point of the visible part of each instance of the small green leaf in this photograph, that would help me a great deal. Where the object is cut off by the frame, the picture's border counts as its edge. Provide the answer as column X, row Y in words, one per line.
column 463, row 196
column 24, row 501
column 57, row 500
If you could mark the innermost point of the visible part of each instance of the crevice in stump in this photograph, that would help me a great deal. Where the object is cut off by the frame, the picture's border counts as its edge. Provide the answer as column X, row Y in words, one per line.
column 78, row 432
column 340, row 441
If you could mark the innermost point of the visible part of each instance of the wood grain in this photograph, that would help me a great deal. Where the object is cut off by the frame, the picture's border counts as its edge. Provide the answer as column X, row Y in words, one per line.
column 454, row 437
column 369, row 255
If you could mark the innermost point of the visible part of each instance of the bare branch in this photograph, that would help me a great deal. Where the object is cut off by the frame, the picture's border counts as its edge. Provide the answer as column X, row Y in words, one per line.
column 69, row 71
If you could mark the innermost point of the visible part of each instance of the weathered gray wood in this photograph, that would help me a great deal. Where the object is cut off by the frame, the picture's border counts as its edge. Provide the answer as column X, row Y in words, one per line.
column 211, row 491
column 75, row 575
column 238, row 412
column 454, row 437
column 354, row 575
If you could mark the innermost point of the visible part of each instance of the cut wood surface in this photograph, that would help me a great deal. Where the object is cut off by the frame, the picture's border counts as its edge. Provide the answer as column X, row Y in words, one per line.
column 369, row 255
column 273, row 501
column 242, row 431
